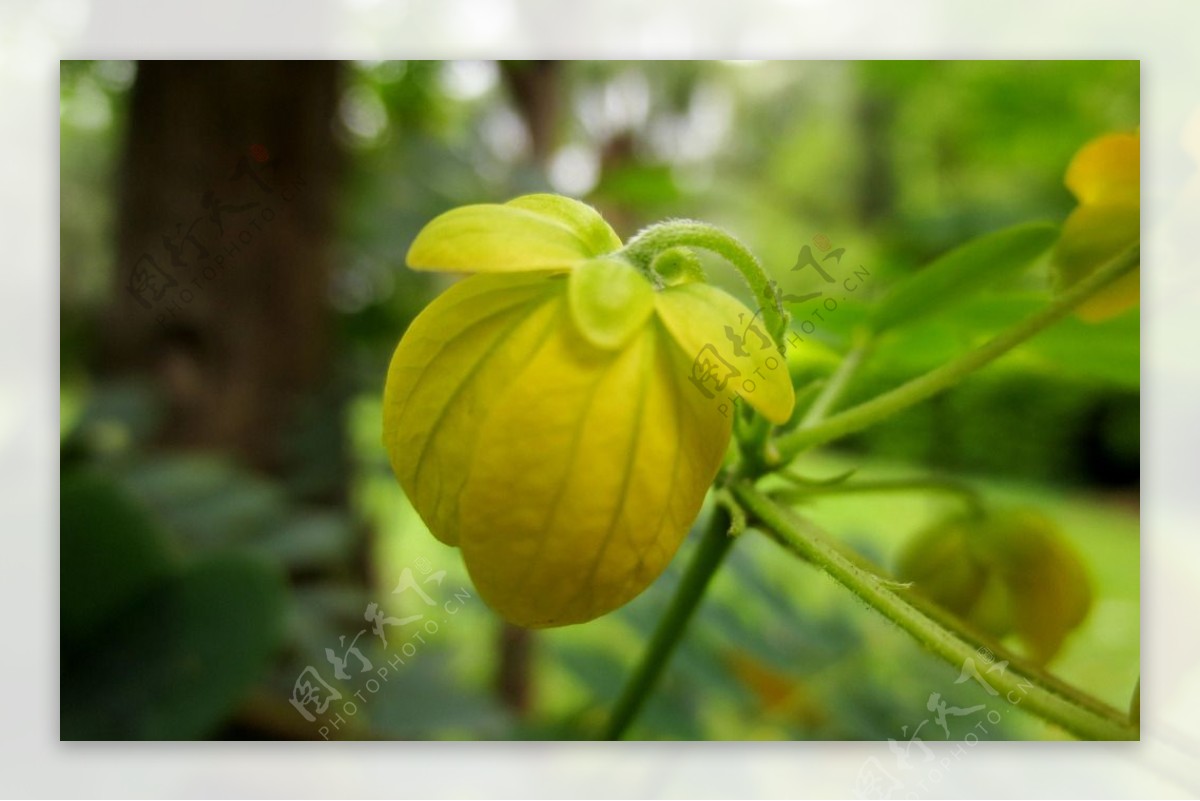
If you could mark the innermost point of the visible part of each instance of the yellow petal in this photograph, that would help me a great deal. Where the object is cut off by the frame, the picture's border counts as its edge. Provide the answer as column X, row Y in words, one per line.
column 458, row 352
column 1046, row 580
column 588, row 472
column 534, row 232
column 597, row 236
column 1118, row 297
column 610, row 301
column 727, row 349
column 1107, row 170
column 1091, row 236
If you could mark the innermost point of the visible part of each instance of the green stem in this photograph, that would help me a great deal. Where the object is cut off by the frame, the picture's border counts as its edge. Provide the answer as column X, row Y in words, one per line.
column 642, row 249
column 838, row 382
column 947, row 485
column 1073, row 710
column 711, row 551
column 879, row 408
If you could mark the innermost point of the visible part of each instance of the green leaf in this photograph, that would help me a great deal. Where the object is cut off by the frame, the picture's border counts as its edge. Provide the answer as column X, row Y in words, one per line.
column 638, row 185
column 175, row 664
column 112, row 551
column 962, row 272
column 206, row 501
column 1108, row 351
column 311, row 539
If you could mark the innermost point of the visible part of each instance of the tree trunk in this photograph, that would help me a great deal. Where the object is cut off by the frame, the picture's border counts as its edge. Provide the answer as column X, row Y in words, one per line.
column 226, row 215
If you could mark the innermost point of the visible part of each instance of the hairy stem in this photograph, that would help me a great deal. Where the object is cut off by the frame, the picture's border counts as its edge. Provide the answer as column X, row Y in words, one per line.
column 947, row 485
column 642, row 249
column 947, row 375
column 1073, row 710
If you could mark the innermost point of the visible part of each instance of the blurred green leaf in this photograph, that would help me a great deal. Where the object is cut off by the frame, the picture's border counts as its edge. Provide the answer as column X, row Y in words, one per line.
column 1110, row 351
column 112, row 551
column 114, row 419
column 957, row 275
column 310, row 539
column 209, row 502
column 174, row 665
column 638, row 185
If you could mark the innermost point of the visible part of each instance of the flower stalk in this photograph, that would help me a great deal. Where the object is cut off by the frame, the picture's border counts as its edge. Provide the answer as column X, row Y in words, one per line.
column 710, row 553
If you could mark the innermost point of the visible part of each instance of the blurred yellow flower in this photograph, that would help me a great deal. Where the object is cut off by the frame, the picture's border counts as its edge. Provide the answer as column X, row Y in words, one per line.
column 1012, row 572
column 559, row 417
column 1105, row 178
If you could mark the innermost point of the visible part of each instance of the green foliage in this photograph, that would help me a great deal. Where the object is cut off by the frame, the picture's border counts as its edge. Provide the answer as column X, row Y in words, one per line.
column 176, row 663
column 112, row 552
column 154, row 648
column 967, row 270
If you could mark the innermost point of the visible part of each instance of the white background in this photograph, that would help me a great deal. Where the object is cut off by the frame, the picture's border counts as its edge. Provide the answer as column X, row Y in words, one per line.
column 33, row 36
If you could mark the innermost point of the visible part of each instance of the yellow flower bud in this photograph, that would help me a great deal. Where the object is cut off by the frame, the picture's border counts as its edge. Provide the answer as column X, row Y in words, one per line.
column 1011, row 572
column 1105, row 177
column 554, row 417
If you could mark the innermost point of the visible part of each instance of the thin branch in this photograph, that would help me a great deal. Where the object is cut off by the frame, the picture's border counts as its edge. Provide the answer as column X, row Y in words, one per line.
column 808, row 490
column 1070, row 708
column 947, row 375
column 838, row 382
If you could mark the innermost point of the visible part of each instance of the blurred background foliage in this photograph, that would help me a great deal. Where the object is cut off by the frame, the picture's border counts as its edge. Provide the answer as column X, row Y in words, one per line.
column 215, row 546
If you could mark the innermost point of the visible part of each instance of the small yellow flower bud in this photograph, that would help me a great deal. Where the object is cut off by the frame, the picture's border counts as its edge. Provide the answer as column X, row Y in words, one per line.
column 1011, row 572
column 1105, row 178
